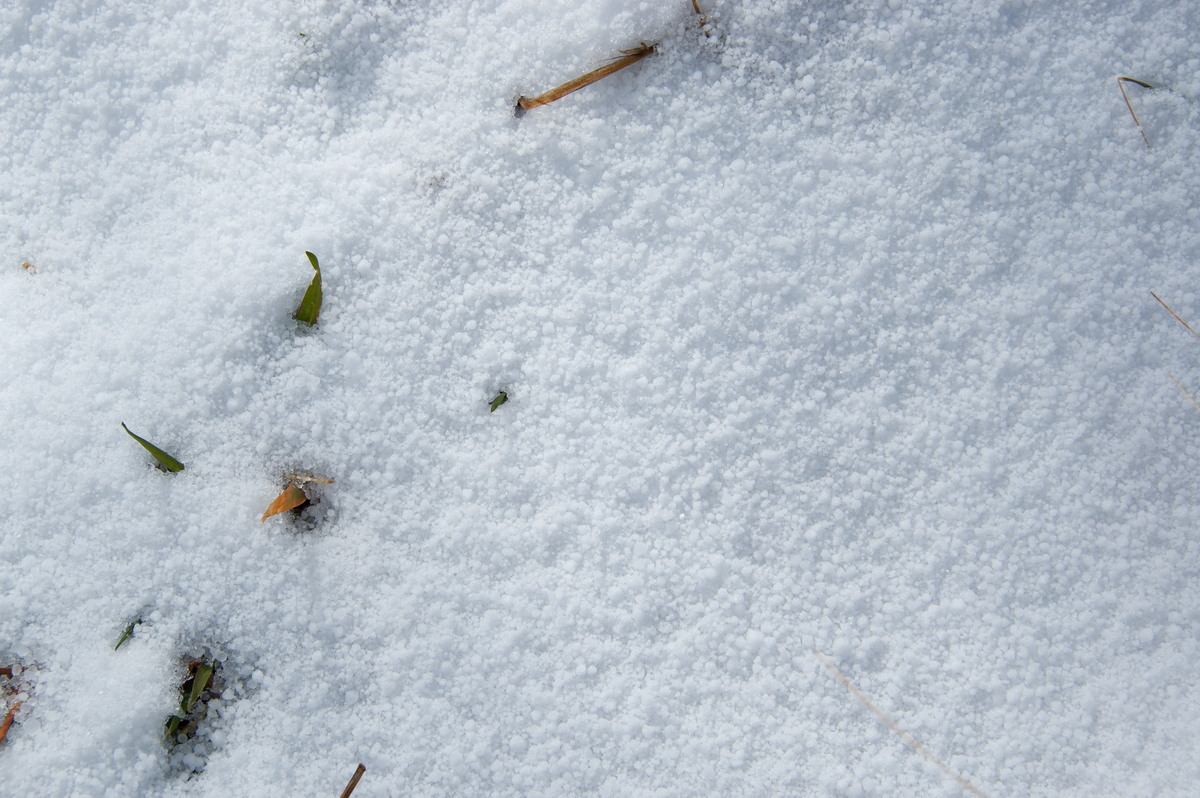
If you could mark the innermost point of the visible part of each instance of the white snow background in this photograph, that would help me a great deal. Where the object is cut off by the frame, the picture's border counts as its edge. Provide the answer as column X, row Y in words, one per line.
column 829, row 331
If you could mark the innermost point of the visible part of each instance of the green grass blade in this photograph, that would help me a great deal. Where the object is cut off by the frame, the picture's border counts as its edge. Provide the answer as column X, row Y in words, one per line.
column 310, row 305
column 500, row 399
column 199, row 682
column 128, row 633
column 173, row 727
column 165, row 460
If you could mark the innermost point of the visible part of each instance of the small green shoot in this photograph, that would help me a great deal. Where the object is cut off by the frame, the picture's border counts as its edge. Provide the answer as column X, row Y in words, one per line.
column 500, row 399
column 310, row 305
column 199, row 682
column 128, row 633
column 190, row 692
column 165, row 461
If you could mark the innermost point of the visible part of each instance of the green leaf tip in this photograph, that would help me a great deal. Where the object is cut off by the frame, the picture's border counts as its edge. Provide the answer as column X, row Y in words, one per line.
column 165, row 460
column 200, row 679
column 310, row 305
column 128, row 633
column 500, row 399
column 204, row 672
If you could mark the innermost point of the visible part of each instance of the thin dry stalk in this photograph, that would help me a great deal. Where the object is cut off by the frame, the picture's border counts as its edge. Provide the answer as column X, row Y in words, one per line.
column 1179, row 385
column 1121, row 84
column 8, row 720
column 308, row 478
column 626, row 58
column 358, row 774
column 703, row 19
column 891, row 724
column 1176, row 315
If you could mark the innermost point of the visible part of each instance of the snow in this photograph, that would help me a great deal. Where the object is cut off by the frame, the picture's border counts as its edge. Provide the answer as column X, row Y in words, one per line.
column 829, row 331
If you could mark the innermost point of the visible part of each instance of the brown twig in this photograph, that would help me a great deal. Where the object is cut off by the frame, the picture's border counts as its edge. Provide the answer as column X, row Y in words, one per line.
column 891, row 724
column 1121, row 85
column 703, row 19
column 1176, row 315
column 358, row 774
column 1179, row 385
column 627, row 57
column 8, row 719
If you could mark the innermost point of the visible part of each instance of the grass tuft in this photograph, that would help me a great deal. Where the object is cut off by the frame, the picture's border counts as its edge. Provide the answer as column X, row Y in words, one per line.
column 500, row 399
column 194, row 694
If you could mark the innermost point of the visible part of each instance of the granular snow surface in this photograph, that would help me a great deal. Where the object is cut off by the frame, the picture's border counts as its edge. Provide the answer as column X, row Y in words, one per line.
column 829, row 331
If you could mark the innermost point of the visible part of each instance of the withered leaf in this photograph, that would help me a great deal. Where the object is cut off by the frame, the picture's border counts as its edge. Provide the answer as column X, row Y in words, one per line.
column 291, row 498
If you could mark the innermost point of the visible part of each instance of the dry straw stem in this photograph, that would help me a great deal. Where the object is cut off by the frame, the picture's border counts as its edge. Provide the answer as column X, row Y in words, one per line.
column 1176, row 315
column 703, row 19
column 309, row 478
column 891, row 724
column 358, row 774
column 1179, row 385
column 1121, row 84
column 614, row 65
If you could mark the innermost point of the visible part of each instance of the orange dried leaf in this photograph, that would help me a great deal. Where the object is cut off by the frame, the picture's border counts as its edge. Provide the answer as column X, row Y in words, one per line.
column 291, row 498
column 8, row 720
